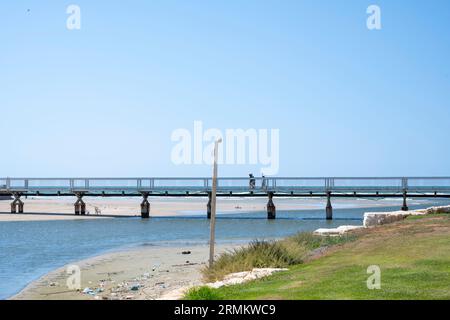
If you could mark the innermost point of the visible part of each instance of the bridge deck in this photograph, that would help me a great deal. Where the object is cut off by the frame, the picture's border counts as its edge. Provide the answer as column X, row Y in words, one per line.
column 238, row 186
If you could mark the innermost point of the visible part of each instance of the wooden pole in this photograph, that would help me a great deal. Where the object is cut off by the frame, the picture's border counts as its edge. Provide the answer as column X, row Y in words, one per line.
column 212, row 235
column 271, row 207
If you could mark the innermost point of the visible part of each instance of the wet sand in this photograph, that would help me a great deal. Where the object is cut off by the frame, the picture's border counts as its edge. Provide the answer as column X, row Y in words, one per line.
column 145, row 273
column 62, row 208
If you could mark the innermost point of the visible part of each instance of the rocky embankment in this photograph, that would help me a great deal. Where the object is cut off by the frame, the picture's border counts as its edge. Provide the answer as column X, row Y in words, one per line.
column 373, row 219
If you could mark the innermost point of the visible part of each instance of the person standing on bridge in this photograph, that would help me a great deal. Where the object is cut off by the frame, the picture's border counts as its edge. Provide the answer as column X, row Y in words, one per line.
column 264, row 182
column 252, row 181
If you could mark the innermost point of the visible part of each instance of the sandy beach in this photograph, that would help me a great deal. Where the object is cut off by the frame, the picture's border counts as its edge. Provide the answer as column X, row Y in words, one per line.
column 37, row 208
column 139, row 274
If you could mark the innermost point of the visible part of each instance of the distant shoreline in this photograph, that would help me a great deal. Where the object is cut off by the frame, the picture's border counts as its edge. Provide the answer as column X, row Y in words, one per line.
column 42, row 209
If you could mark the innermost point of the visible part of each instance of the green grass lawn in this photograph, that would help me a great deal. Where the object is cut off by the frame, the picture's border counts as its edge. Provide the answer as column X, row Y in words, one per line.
column 413, row 256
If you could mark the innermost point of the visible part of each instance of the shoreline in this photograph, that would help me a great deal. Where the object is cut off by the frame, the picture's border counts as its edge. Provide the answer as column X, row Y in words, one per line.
column 140, row 273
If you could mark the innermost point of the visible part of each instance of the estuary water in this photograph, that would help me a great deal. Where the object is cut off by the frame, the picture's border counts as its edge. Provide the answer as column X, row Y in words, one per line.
column 31, row 249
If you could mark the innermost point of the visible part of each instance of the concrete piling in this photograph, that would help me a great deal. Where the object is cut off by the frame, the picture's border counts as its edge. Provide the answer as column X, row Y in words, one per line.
column 80, row 206
column 145, row 207
column 271, row 210
column 405, row 205
column 17, row 205
column 329, row 207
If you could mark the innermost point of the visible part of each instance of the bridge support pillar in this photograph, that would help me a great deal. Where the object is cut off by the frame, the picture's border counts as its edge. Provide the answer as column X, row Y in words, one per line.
column 145, row 207
column 80, row 206
column 17, row 204
column 329, row 207
column 405, row 205
column 271, row 210
column 208, row 205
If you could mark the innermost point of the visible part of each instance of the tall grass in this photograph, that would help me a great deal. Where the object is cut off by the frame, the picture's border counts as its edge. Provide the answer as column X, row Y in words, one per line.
column 270, row 254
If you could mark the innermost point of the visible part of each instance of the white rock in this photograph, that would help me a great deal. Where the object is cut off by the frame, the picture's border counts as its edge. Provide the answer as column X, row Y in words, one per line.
column 379, row 218
column 436, row 210
column 335, row 231
column 420, row 212
column 241, row 277
column 233, row 278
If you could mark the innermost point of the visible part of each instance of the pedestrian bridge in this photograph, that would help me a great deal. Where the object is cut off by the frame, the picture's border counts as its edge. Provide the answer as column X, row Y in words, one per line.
column 240, row 187
column 174, row 186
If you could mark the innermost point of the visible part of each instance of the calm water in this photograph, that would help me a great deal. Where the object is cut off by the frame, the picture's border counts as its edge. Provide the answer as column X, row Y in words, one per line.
column 29, row 250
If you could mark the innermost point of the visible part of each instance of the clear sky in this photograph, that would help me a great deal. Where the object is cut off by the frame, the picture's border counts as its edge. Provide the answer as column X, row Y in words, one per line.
column 104, row 100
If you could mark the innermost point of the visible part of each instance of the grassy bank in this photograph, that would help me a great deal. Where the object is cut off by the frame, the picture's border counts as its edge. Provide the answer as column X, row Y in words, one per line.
column 413, row 255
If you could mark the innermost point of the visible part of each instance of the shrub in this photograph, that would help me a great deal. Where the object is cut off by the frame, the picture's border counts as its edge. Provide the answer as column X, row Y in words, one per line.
column 269, row 254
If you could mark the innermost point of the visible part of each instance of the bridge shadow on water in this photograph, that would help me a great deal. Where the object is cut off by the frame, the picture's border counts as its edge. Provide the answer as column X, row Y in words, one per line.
column 228, row 217
column 250, row 216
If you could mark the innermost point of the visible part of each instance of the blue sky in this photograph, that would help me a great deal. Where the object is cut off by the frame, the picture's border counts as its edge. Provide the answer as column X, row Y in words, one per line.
column 104, row 100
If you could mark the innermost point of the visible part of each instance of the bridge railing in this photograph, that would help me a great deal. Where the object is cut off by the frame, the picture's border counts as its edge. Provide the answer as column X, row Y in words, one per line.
column 428, row 184
column 186, row 184
column 238, row 184
column 301, row 184
column 366, row 184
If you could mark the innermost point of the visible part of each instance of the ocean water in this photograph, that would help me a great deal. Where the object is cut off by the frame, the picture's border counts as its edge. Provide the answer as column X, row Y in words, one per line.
column 31, row 249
